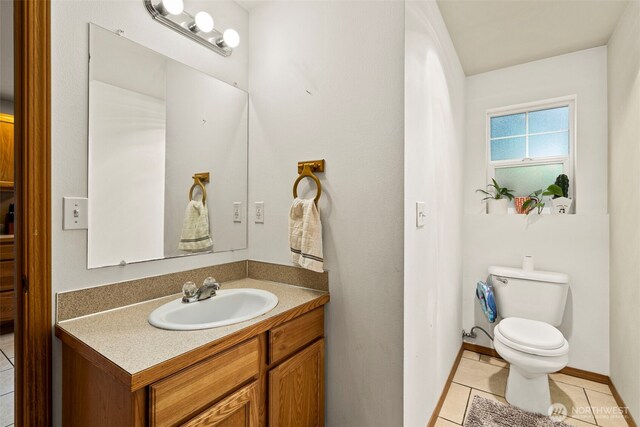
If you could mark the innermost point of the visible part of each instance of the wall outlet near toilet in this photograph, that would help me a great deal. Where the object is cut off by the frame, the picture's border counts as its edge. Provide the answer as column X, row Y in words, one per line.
column 421, row 214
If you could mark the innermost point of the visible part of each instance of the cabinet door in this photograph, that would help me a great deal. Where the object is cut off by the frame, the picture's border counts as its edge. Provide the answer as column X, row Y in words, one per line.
column 296, row 389
column 240, row 409
column 6, row 150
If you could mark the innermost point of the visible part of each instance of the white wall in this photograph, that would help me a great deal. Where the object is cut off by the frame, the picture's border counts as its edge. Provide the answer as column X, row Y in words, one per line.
column 326, row 81
column 583, row 74
column 206, row 132
column 127, row 135
column 566, row 244
column 434, row 133
column 69, row 81
column 624, row 204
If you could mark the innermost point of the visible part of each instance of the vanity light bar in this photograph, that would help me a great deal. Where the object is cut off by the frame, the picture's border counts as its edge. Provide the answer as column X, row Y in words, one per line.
column 199, row 28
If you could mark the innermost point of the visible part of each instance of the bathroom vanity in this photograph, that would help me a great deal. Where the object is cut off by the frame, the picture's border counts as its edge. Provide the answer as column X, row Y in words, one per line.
column 117, row 369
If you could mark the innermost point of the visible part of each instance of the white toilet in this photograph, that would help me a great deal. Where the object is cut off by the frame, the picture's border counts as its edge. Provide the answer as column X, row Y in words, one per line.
column 531, row 304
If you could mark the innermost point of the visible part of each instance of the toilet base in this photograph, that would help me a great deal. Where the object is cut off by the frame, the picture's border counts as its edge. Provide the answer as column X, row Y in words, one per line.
column 528, row 392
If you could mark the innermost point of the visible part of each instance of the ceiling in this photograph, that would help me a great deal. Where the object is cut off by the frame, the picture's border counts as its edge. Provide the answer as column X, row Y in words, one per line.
column 493, row 34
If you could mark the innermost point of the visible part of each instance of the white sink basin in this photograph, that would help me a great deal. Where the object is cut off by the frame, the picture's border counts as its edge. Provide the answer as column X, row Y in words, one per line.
column 229, row 306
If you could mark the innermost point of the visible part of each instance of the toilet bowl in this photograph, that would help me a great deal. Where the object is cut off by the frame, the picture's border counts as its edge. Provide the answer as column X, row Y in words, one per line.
column 534, row 349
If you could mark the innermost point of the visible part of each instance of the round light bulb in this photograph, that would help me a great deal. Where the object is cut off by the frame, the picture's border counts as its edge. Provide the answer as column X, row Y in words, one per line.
column 173, row 7
column 204, row 22
column 231, row 38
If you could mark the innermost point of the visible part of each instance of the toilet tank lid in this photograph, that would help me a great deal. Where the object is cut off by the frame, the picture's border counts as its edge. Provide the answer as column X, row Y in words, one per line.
column 537, row 275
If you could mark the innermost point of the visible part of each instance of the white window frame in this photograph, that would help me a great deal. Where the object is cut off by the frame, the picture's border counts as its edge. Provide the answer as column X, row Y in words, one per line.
column 568, row 162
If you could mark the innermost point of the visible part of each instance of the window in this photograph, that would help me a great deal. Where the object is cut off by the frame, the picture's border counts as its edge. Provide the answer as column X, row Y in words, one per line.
column 529, row 146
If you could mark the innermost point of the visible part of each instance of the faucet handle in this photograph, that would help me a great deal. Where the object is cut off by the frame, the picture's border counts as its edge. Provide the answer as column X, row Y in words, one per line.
column 212, row 283
column 189, row 289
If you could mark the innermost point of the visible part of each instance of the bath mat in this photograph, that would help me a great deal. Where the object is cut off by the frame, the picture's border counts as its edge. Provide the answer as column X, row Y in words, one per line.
column 489, row 413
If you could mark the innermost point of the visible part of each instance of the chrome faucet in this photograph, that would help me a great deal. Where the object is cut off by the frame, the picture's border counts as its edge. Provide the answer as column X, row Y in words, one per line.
column 191, row 293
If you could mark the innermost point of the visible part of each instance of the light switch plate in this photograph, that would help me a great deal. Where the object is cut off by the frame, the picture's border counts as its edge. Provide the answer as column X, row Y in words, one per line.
column 259, row 213
column 76, row 211
column 420, row 214
column 237, row 211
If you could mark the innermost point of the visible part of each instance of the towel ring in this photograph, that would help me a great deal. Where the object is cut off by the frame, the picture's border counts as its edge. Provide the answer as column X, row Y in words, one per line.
column 307, row 173
column 198, row 180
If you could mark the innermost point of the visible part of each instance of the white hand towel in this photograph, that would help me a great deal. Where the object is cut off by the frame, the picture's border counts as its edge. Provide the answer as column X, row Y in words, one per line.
column 195, row 229
column 305, row 235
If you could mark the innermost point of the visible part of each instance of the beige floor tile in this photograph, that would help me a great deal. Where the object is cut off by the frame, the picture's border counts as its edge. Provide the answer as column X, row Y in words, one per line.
column 6, row 409
column 13, row 361
column 574, row 399
column 5, row 338
column 480, row 393
column 482, row 376
column 577, row 423
column 580, row 382
column 455, row 403
column 441, row 422
column 470, row 355
column 605, row 409
column 493, row 360
column 6, row 381
column 4, row 363
column 8, row 349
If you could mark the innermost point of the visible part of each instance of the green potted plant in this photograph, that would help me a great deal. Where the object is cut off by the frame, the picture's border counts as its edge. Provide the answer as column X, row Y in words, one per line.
column 536, row 199
column 497, row 198
column 562, row 202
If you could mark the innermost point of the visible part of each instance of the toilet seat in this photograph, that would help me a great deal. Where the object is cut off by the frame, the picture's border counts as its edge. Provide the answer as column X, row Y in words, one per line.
column 531, row 336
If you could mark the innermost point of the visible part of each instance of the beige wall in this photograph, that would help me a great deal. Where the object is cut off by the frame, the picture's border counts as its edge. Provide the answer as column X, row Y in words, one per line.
column 326, row 81
column 434, row 135
column 624, row 205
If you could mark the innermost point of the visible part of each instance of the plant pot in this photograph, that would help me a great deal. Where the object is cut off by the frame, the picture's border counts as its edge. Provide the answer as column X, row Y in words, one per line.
column 497, row 206
column 561, row 205
column 518, row 202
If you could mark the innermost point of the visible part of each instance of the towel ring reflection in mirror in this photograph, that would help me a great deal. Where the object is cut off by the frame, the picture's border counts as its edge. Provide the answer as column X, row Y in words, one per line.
column 198, row 181
column 306, row 170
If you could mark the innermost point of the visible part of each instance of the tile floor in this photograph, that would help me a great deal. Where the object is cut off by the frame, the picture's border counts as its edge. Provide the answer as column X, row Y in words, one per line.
column 6, row 380
column 589, row 403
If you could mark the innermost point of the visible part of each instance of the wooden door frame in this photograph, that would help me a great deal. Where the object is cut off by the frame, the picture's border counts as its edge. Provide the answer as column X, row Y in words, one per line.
column 33, row 337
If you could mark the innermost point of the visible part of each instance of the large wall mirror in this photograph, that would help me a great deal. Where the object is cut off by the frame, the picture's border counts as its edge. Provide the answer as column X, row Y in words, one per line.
column 153, row 124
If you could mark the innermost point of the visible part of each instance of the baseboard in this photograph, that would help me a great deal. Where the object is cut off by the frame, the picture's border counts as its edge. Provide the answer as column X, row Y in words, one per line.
column 480, row 349
column 574, row 372
column 445, row 390
column 586, row 375
column 620, row 402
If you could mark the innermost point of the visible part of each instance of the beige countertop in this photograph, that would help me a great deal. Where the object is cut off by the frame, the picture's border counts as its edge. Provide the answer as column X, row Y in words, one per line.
column 125, row 337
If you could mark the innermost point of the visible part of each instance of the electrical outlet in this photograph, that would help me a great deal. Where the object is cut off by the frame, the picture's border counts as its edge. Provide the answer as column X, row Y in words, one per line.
column 259, row 213
column 75, row 213
column 420, row 214
column 237, row 211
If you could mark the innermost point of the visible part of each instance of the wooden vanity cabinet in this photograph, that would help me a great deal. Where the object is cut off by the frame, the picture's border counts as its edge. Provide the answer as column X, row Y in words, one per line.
column 296, row 386
column 239, row 409
column 275, row 377
column 7, row 294
column 189, row 391
column 6, row 152
column 296, row 389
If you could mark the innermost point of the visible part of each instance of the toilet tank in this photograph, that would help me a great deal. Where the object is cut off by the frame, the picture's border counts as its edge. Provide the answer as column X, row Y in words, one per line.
column 535, row 295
